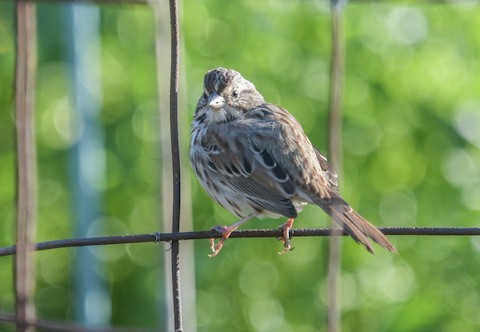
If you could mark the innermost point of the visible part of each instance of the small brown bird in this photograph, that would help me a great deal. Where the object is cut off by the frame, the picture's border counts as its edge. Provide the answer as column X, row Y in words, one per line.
column 254, row 159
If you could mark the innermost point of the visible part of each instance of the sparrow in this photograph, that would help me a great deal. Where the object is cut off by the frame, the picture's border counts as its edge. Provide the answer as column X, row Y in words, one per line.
column 254, row 159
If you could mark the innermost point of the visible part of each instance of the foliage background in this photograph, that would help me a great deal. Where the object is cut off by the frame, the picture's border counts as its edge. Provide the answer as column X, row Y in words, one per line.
column 411, row 154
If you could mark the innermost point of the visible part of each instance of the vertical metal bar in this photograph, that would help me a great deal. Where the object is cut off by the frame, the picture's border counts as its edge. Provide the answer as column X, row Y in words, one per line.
column 186, row 266
column 174, row 69
column 26, row 167
column 87, row 158
column 335, row 157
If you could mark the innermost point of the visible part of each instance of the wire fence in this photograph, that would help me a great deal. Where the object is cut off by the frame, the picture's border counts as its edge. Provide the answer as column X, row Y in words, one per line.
column 239, row 234
column 25, row 318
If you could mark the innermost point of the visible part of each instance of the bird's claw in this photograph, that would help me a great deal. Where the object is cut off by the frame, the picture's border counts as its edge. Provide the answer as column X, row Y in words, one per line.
column 286, row 245
column 223, row 230
column 285, row 238
column 286, row 249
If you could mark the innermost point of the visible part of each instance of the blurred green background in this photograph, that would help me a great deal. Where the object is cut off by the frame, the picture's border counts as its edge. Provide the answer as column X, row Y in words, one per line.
column 411, row 158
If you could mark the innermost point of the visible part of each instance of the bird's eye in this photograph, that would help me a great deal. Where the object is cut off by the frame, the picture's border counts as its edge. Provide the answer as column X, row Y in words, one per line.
column 235, row 94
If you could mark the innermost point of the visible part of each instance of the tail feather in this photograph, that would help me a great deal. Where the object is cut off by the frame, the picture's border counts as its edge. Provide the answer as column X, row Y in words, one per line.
column 354, row 224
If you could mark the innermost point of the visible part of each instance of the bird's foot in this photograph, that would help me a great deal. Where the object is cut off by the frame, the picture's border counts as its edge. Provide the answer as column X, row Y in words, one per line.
column 285, row 228
column 225, row 232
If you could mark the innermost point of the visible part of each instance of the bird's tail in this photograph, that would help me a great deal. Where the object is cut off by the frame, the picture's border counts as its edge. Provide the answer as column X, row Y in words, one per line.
column 353, row 223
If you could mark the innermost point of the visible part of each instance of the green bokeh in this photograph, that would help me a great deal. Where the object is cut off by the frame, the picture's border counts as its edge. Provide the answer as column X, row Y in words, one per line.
column 411, row 140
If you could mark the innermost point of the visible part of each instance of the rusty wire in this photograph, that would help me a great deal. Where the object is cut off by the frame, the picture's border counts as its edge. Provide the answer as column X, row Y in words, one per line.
column 252, row 233
column 175, row 250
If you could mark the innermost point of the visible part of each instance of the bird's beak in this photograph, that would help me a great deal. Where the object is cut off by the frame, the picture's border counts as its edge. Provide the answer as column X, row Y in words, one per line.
column 216, row 101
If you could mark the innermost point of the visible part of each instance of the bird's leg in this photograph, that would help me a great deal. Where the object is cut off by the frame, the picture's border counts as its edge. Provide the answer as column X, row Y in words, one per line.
column 225, row 231
column 286, row 235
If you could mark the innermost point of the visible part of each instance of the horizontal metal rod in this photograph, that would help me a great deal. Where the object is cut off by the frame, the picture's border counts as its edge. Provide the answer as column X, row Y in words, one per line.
column 253, row 233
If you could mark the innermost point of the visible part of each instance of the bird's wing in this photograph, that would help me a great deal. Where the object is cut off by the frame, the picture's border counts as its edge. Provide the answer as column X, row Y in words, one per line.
column 267, row 158
column 293, row 151
column 248, row 169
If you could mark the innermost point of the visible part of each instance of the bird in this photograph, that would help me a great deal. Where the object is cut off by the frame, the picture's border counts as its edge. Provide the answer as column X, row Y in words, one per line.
column 255, row 160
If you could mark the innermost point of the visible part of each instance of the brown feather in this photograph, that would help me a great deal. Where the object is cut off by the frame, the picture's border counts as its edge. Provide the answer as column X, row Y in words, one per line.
column 354, row 224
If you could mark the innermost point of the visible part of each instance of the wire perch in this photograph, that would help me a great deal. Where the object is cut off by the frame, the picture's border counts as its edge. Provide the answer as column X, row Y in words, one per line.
column 251, row 233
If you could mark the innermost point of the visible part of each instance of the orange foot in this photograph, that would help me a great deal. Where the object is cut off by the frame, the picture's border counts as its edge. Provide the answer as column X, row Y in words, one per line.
column 225, row 232
column 286, row 236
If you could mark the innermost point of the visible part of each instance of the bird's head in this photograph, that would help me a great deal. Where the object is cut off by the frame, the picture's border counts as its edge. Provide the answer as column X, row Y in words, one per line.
column 226, row 96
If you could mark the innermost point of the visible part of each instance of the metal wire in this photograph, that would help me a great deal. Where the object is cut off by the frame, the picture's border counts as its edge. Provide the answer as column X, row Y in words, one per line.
column 174, row 69
column 254, row 233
